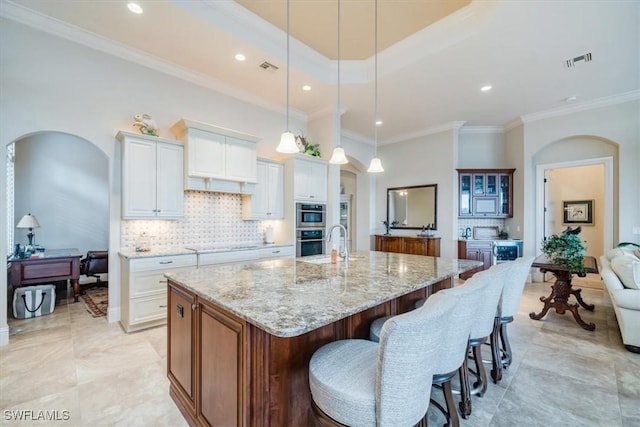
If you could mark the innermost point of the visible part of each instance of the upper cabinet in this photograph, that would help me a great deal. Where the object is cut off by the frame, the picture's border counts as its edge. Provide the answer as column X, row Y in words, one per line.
column 309, row 179
column 152, row 177
column 217, row 159
column 485, row 193
column 267, row 201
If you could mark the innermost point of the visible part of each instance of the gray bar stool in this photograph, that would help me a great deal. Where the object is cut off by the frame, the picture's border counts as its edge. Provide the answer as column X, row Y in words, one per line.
column 507, row 308
column 358, row 382
column 454, row 346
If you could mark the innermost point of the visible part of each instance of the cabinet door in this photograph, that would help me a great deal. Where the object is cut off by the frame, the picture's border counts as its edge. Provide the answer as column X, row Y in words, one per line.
column 318, row 182
column 222, row 371
column 465, row 195
column 505, row 202
column 478, row 183
column 206, row 154
column 275, row 193
column 415, row 246
column 241, row 160
column 181, row 342
column 170, row 181
column 491, row 188
column 301, row 179
column 260, row 197
column 485, row 206
column 139, row 178
column 389, row 244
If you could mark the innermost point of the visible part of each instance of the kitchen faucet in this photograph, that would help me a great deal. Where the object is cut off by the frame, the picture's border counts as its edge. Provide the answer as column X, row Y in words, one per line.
column 344, row 255
column 467, row 233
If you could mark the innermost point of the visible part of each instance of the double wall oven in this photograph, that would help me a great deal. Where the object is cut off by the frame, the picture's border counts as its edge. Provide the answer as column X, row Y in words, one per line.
column 310, row 229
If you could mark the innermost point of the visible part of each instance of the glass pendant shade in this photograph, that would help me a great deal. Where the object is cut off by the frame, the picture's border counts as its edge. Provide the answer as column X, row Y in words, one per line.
column 338, row 157
column 375, row 166
column 287, row 144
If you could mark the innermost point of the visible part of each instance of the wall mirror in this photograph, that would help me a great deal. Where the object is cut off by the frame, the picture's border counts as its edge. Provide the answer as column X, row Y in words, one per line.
column 412, row 207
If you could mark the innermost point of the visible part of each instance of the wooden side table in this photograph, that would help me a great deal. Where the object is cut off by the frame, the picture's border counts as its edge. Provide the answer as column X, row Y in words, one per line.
column 53, row 265
column 561, row 290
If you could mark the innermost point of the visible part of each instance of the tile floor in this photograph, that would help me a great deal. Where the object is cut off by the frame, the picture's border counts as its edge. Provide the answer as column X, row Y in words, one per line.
column 561, row 375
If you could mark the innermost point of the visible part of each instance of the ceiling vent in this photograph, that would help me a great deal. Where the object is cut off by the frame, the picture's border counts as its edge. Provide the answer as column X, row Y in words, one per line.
column 268, row 66
column 573, row 61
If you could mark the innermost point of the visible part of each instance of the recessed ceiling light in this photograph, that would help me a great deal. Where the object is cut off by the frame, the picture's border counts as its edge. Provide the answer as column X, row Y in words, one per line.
column 486, row 88
column 570, row 98
column 240, row 57
column 378, row 122
column 306, row 88
column 135, row 8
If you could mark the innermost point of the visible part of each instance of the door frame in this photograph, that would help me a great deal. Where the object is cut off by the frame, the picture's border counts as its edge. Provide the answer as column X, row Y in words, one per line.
column 608, row 195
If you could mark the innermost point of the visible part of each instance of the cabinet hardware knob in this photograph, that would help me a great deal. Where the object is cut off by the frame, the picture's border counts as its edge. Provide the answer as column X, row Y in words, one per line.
column 194, row 306
column 162, row 306
column 166, row 262
column 159, row 210
column 162, row 281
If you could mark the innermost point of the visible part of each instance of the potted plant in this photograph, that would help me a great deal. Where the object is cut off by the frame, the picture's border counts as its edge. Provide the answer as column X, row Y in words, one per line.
column 567, row 250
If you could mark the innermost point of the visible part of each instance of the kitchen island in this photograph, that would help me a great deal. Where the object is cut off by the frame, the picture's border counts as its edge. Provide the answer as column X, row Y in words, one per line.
column 240, row 335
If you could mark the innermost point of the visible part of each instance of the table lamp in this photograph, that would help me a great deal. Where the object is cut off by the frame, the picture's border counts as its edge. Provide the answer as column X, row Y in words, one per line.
column 29, row 221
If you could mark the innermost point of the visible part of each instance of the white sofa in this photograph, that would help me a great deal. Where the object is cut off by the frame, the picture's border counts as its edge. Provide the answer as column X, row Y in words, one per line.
column 620, row 271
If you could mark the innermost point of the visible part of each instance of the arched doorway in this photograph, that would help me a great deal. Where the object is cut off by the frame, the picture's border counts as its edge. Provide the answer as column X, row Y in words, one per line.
column 62, row 179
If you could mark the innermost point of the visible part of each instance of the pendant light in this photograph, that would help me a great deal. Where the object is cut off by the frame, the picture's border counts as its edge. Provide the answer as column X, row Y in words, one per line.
column 287, row 140
column 376, row 165
column 338, row 157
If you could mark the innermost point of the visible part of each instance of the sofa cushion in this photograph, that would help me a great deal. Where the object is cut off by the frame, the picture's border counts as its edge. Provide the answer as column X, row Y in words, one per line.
column 616, row 252
column 628, row 271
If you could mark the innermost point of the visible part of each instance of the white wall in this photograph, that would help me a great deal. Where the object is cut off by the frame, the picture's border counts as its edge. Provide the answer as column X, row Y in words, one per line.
column 63, row 181
column 610, row 128
column 578, row 183
column 51, row 84
column 430, row 159
column 481, row 150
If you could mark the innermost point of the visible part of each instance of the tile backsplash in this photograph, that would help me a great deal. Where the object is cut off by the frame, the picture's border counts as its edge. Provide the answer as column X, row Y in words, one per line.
column 209, row 219
column 479, row 222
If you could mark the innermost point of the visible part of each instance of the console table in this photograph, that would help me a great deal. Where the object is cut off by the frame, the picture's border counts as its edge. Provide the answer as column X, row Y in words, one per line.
column 561, row 290
column 50, row 266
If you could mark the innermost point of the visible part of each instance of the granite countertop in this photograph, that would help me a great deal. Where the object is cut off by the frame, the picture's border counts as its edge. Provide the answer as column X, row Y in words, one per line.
column 197, row 249
column 288, row 297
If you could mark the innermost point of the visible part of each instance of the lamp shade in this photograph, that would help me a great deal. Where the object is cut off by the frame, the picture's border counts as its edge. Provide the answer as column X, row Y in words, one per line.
column 375, row 166
column 28, row 221
column 287, row 144
column 338, row 157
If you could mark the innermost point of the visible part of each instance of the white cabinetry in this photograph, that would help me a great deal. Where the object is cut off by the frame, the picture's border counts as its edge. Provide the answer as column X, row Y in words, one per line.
column 221, row 257
column 267, row 201
column 152, row 183
column 309, row 180
column 218, row 159
column 144, row 289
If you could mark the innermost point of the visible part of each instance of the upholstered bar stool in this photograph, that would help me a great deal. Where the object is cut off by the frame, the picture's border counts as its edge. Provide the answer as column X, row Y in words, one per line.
column 454, row 346
column 482, row 327
column 361, row 383
column 507, row 308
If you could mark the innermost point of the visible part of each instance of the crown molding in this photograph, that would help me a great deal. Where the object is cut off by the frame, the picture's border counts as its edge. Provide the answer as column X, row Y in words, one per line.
column 78, row 35
column 481, row 129
column 583, row 106
column 356, row 137
column 430, row 131
column 512, row 124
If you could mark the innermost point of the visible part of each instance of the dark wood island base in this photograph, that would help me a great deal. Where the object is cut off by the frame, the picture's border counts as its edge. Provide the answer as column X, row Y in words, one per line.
column 225, row 371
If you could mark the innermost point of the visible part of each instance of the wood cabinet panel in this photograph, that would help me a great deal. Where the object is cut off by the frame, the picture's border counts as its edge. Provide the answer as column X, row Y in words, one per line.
column 221, row 370
column 181, row 343
column 429, row 246
column 477, row 251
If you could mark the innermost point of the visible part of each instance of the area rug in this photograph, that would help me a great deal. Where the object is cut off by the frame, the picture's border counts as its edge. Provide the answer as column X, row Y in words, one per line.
column 96, row 300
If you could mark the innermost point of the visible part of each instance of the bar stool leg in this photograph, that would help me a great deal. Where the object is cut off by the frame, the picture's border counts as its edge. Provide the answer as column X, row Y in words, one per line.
column 465, row 392
column 496, row 357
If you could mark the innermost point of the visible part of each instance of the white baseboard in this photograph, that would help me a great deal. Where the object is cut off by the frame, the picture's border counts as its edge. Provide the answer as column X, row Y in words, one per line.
column 4, row 335
column 113, row 314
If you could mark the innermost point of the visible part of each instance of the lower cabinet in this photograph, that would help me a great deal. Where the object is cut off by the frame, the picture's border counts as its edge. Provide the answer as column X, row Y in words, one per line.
column 429, row 246
column 144, row 289
column 477, row 251
column 206, row 361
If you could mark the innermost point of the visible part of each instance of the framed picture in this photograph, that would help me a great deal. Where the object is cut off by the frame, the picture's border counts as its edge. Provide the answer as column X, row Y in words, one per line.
column 578, row 212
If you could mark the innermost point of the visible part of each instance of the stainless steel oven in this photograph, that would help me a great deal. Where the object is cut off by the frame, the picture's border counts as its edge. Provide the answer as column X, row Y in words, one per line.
column 506, row 250
column 310, row 216
column 310, row 241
